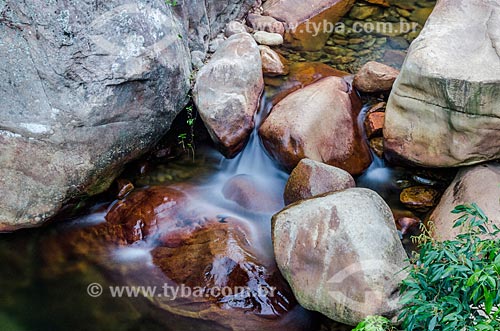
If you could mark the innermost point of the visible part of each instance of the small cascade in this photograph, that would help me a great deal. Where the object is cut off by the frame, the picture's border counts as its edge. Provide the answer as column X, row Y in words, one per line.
column 254, row 164
column 253, row 160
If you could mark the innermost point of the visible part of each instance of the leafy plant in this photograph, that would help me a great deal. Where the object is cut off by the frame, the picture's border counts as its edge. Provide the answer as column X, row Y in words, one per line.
column 186, row 140
column 455, row 285
column 375, row 323
column 171, row 2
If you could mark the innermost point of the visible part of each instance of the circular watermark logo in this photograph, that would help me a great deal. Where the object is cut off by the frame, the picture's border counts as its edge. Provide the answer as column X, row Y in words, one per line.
column 94, row 290
column 384, row 274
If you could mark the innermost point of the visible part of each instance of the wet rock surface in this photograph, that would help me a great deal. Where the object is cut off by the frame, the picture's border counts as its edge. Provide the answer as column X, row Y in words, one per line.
column 317, row 122
column 184, row 242
column 360, row 40
column 300, row 75
column 246, row 192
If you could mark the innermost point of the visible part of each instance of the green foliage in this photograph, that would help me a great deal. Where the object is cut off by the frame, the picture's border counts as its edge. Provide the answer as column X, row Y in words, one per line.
column 375, row 323
column 455, row 285
column 172, row 2
column 186, row 140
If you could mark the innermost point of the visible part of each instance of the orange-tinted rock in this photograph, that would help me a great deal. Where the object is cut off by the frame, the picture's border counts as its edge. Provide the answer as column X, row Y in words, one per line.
column 478, row 184
column 311, row 178
column 377, row 145
column 124, row 188
column 305, row 21
column 420, row 198
column 374, row 123
column 141, row 212
column 375, row 77
column 228, row 267
column 317, row 122
column 301, row 75
column 245, row 191
column 220, row 255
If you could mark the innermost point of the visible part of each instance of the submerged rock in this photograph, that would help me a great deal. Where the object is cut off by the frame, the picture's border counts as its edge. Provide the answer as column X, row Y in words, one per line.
column 311, row 178
column 444, row 109
column 227, row 92
column 479, row 184
column 306, row 22
column 164, row 237
column 420, row 198
column 317, row 122
column 246, row 192
column 341, row 254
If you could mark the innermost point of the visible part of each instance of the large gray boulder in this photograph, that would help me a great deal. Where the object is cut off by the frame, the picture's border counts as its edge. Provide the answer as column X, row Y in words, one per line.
column 86, row 87
column 341, row 254
column 444, row 109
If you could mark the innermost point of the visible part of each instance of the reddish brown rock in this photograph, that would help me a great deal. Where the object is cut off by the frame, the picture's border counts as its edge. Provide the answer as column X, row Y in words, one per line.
column 227, row 266
column 300, row 17
column 408, row 224
column 420, row 198
column 311, row 178
column 140, row 223
column 375, row 77
column 220, row 255
column 301, row 75
column 245, row 191
column 374, row 124
column 317, row 122
column 124, row 187
column 273, row 64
